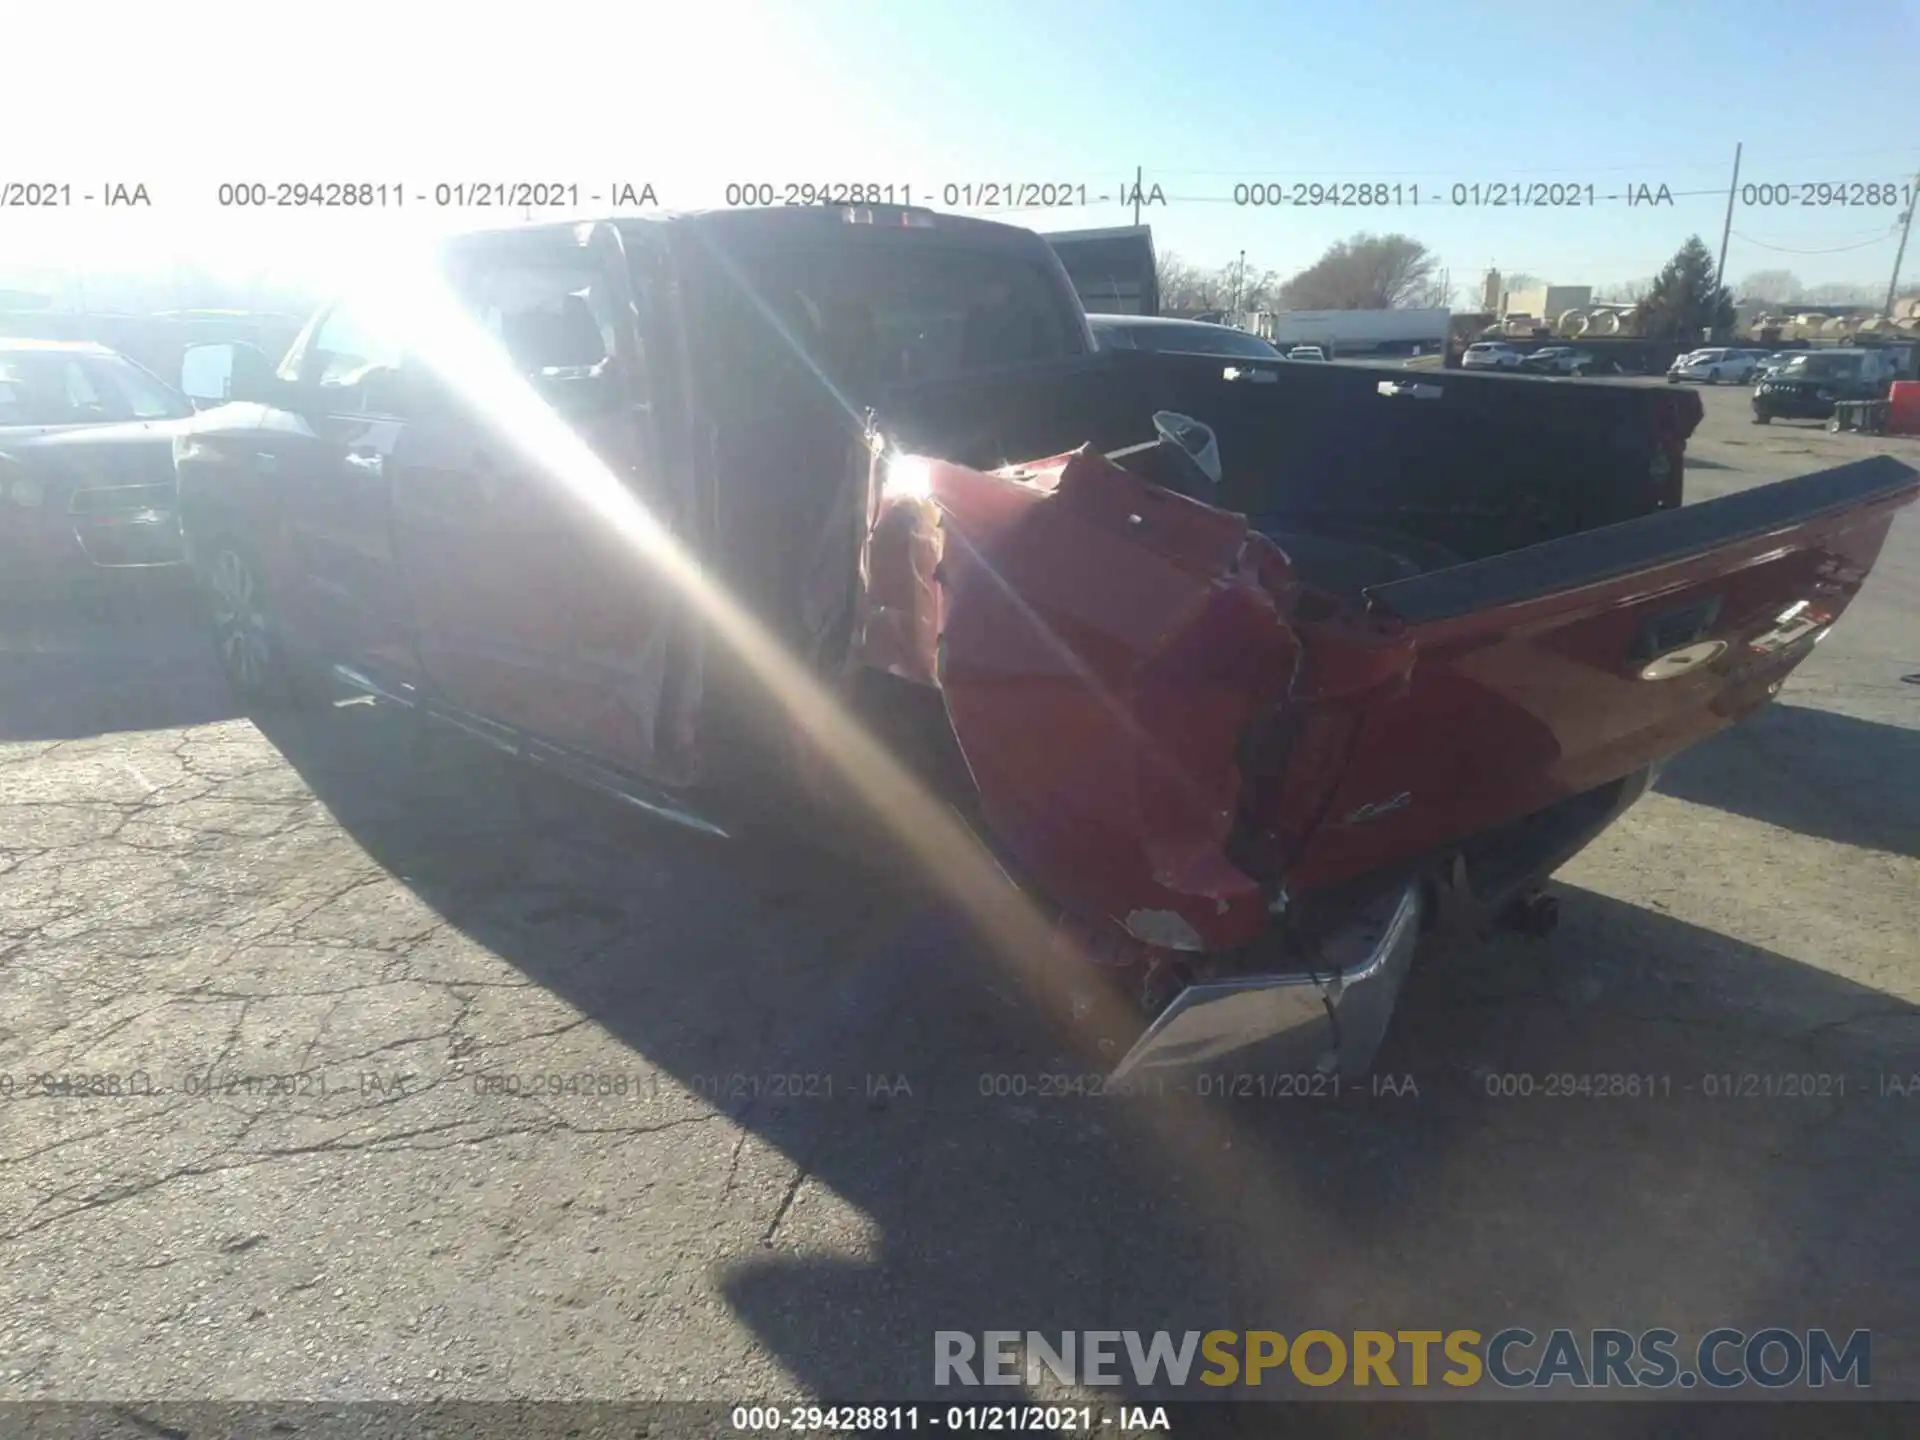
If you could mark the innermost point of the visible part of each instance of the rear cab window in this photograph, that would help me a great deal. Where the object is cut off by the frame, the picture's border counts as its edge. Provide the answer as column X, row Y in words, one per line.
column 795, row 314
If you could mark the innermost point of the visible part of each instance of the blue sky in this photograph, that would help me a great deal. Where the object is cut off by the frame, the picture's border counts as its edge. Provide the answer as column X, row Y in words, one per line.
column 1203, row 96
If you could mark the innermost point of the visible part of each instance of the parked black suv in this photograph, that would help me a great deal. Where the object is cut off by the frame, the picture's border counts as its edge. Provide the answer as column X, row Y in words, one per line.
column 1808, row 386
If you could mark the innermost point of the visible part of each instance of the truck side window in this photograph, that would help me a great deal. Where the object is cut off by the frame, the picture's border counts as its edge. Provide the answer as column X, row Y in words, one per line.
column 345, row 348
column 556, row 322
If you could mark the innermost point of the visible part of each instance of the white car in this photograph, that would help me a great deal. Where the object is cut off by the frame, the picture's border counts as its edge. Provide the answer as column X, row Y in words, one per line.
column 1491, row 355
column 1307, row 352
column 1558, row 360
column 1715, row 367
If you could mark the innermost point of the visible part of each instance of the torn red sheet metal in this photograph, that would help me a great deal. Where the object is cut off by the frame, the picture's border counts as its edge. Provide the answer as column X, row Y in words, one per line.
column 1103, row 647
column 1170, row 734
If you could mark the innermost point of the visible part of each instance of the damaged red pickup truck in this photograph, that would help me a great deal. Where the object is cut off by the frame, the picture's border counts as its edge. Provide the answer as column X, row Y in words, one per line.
column 1254, row 672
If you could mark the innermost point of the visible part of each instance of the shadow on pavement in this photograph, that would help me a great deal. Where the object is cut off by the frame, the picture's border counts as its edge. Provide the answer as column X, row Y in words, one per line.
column 1807, row 770
column 1477, row 1192
column 134, row 661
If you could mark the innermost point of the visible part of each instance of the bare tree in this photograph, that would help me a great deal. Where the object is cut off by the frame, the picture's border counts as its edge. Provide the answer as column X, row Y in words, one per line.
column 1185, row 286
column 1843, row 293
column 1367, row 272
column 1255, row 286
column 1441, row 292
column 1770, row 287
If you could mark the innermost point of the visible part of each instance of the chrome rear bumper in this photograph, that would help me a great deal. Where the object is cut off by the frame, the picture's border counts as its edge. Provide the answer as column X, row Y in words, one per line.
column 1331, row 1022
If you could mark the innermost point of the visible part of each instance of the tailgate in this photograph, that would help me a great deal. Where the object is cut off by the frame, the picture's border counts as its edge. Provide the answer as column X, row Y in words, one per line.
column 1537, row 675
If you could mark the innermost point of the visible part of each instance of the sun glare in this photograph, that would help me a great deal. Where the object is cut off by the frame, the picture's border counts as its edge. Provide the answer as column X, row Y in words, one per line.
column 1045, row 960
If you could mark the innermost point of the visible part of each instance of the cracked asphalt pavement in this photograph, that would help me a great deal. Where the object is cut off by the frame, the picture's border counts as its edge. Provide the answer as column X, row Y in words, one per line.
column 436, row 1080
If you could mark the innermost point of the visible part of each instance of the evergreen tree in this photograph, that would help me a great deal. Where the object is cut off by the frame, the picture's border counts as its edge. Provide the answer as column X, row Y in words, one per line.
column 1687, row 301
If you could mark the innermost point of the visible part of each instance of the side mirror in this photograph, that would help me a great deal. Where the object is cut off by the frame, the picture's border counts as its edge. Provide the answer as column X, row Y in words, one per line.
column 216, row 374
column 1193, row 438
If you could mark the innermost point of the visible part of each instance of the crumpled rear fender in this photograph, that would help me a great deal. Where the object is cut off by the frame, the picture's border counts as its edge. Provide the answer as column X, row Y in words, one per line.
column 1104, row 648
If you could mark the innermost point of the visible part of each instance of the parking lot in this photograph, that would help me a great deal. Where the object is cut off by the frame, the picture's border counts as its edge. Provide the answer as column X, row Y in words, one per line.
column 193, row 905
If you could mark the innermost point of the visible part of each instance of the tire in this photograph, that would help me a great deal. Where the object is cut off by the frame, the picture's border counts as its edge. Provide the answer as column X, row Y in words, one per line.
column 1763, row 419
column 1833, row 426
column 252, row 656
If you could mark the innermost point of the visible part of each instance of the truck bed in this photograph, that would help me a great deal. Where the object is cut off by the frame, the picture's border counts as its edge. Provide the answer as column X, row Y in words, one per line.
column 1478, row 465
column 1478, row 603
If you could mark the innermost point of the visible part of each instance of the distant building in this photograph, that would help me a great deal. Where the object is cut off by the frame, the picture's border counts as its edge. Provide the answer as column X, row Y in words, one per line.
column 1546, row 303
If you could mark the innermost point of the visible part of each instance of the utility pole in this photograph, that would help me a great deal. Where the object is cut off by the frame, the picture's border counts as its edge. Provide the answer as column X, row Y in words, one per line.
column 1720, row 270
column 1139, row 175
column 1906, row 229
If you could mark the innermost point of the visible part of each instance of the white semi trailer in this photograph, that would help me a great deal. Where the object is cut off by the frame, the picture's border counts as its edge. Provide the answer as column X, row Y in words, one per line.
column 1353, row 331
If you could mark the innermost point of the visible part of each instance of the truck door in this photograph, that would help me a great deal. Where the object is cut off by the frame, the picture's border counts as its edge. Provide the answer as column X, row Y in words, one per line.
column 328, row 461
column 531, row 610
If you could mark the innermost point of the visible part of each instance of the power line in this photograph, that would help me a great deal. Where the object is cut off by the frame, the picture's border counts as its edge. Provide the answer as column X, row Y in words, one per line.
column 1879, row 239
column 1906, row 150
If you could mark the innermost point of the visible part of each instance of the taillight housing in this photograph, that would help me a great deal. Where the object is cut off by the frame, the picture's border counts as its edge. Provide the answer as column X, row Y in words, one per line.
column 1666, row 473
